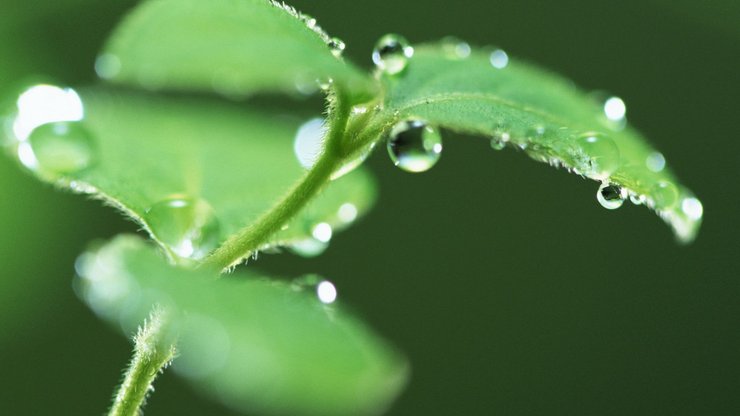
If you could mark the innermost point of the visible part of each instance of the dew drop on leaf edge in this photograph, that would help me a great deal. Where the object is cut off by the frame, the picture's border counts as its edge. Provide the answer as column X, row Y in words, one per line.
column 392, row 53
column 611, row 196
column 414, row 146
column 58, row 148
column 187, row 226
column 665, row 194
column 602, row 156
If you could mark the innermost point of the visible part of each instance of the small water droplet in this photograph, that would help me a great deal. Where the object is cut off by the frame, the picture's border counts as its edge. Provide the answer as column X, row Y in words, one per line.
column 322, row 232
column 615, row 109
column 414, row 146
column 499, row 59
column 392, row 53
column 309, row 141
column 693, row 208
column 455, row 48
column 602, row 156
column 347, row 212
column 611, row 196
column 107, row 66
column 337, row 47
column 327, row 292
column 637, row 199
column 655, row 162
column 58, row 148
column 499, row 140
column 188, row 227
column 535, row 132
column 309, row 21
column 665, row 194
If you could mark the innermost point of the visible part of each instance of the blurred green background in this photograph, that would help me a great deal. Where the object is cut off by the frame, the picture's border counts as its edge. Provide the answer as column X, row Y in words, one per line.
column 509, row 288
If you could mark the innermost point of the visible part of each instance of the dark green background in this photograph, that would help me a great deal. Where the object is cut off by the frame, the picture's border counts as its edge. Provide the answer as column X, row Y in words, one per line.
column 509, row 288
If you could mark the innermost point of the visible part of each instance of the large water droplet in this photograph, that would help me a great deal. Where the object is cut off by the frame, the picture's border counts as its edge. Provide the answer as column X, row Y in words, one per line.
column 499, row 59
column 602, row 154
column 188, row 227
column 392, row 53
column 414, row 146
column 309, row 141
column 337, row 47
column 655, row 162
column 693, row 208
column 58, row 148
column 611, row 196
column 665, row 194
column 455, row 48
column 615, row 109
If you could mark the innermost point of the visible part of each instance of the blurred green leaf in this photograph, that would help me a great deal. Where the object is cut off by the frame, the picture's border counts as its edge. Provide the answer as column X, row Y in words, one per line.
column 257, row 345
column 236, row 47
column 191, row 172
column 524, row 107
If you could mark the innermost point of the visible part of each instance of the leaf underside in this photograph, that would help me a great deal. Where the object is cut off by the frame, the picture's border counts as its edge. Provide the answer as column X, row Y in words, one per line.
column 539, row 112
column 258, row 344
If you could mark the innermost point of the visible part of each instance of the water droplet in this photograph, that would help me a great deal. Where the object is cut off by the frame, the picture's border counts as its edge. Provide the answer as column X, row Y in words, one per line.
column 188, row 227
column 392, row 53
column 611, row 196
column 309, row 247
column 327, row 292
column 615, row 109
column 637, row 199
column 337, row 47
column 499, row 59
column 347, row 212
column 498, row 142
column 322, row 232
column 414, row 146
column 602, row 156
column 665, row 194
column 309, row 141
column 107, row 66
column 455, row 48
column 58, row 148
column 655, row 162
column 693, row 208
column 309, row 21
column 42, row 104
column 535, row 132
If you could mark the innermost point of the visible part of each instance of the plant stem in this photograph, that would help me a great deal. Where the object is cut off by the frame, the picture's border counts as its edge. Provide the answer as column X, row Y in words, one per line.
column 254, row 236
column 151, row 355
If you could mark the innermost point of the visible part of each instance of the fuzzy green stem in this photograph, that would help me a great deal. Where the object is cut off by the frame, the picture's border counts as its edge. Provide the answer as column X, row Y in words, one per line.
column 254, row 236
column 151, row 355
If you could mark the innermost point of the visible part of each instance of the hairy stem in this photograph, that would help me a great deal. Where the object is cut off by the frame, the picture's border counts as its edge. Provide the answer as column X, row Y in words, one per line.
column 254, row 236
column 151, row 355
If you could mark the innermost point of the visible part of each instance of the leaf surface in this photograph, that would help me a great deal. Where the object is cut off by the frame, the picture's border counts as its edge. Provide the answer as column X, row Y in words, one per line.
column 192, row 172
column 258, row 345
column 236, row 47
column 529, row 109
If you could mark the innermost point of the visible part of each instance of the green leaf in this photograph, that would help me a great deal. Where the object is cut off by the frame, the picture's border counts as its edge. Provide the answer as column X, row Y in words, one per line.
column 191, row 172
column 547, row 116
column 236, row 47
column 256, row 344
